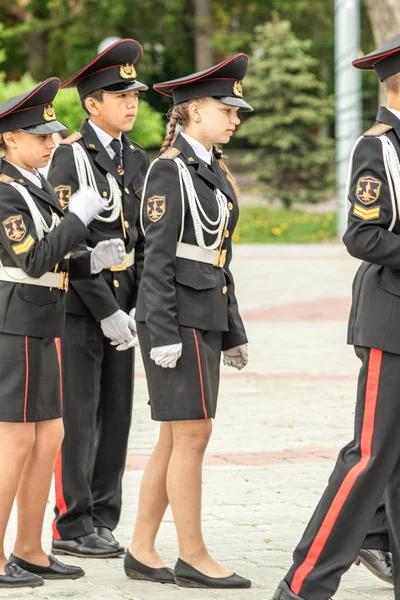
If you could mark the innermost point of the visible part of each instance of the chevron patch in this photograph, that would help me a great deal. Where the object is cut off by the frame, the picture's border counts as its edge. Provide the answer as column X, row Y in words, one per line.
column 25, row 246
column 367, row 214
column 171, row 153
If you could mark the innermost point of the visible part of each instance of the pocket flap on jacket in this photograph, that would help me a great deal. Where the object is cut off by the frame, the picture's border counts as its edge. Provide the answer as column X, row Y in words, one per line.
column 195, row 278
column 390, row 283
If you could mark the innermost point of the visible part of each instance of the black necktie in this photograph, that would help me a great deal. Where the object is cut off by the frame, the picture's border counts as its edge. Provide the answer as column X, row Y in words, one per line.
column 116, row 146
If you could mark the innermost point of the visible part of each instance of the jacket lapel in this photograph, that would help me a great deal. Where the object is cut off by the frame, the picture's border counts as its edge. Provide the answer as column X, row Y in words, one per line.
column 388, row 118
column 98, row 153
column 131, row 160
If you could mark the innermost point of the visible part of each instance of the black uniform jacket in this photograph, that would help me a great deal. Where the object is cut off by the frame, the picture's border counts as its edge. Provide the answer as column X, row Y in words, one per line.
column 102, row 296
column 177, row 291
column 30, row 309
column 375, row 313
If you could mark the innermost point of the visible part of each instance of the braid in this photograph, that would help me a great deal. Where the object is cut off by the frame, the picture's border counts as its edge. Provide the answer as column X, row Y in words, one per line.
column 169, row 138
column 219, row 155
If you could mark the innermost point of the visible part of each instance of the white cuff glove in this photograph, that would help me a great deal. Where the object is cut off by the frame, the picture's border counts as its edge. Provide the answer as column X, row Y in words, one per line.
column 106, row 254
column 121, row 330
column 132, row 327
column 237, row 357
column 86, row 203
column 166, row 356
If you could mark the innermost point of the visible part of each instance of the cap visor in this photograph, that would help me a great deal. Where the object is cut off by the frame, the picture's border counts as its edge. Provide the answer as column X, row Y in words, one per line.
column 239, row 102
column 45, row 128
column 125, row 87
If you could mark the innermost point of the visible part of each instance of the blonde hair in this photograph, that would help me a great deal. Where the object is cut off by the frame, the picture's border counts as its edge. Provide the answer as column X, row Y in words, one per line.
column 179, row 114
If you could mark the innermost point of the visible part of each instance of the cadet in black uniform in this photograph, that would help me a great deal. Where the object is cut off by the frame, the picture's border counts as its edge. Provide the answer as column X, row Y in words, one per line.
column 34, row 271
column 98, row 380
column 370, row 463
column 188, row 316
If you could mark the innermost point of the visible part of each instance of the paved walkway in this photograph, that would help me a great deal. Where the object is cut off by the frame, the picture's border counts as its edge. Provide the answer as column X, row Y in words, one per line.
column 279, row 426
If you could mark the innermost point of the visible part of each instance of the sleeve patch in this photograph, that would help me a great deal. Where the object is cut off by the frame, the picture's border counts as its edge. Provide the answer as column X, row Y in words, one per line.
column 15, row 228
column 63, row 194
column 24, row 246
column 366, row 214
column 74, row 137
column 5, row 178
column 378, row 129
column 156, row 208
column 368, row 190
column 171, row 153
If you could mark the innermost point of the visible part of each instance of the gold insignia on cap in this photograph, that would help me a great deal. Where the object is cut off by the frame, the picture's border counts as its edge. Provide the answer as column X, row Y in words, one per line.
column 368, row 190
column 238, row 89
column 127, row 71
column 63, row 194
column 49, row 114
column 15, row 228
column 156, row 207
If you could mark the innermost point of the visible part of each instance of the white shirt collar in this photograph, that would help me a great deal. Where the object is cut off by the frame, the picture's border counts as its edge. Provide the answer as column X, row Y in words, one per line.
column 395, row 112
column 105, row 138
column 198, row 148
column 33, row 177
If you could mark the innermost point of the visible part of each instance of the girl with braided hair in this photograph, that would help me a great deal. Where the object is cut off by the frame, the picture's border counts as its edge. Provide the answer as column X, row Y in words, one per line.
column 187, row 316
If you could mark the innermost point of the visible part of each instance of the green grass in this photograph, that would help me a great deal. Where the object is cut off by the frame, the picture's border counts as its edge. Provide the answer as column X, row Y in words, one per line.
column 259, row 224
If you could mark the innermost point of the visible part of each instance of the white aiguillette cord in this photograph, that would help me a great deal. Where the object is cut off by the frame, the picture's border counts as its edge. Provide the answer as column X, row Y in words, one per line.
column 86, row 178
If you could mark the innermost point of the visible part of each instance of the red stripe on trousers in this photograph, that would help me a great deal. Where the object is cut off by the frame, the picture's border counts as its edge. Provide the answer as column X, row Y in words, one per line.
column 203, row 400
column 60, row 500
column 58, row 348
column 26, row 376
column 371, row 395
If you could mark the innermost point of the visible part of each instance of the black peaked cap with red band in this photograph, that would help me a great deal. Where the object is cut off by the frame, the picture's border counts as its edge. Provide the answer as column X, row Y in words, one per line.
column 385, row 60
column 222, row 82
column 113, row 70
column 33, row 111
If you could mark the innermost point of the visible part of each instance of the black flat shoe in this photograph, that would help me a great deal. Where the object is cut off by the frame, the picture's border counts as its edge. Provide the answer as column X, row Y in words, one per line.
column 55, row 570
column 87, row 546
column 137, row 570
column 187, row 576
column 378, row 562
column 17, row 577
column 107, row 535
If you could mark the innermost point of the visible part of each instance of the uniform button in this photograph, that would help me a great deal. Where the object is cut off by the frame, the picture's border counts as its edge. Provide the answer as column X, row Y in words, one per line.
column 126, row 191
column 116, row 283
column 105, row 194
column 126, row 224
column 226, row 233
column 230, row 205
column 224, row 289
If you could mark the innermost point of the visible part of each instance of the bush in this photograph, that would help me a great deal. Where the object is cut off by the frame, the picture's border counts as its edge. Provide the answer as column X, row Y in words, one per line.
column 148, row 130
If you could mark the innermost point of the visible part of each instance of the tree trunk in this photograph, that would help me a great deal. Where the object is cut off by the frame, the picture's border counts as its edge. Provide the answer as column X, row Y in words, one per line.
column 203, row 34
column 385, row 20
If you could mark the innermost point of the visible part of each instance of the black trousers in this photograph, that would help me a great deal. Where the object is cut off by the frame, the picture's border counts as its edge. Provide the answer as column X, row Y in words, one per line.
column 97, row 397
column 366, row 469
column 377, row 537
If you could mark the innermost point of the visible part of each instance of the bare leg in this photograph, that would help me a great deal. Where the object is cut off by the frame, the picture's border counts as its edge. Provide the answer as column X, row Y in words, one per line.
column 190, row 440
column 33, row 491
column 153, row 501
column 16, row 442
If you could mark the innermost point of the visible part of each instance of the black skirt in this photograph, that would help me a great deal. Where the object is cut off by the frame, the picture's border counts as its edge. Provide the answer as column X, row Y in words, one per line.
column 190, row 390
column 30, row 376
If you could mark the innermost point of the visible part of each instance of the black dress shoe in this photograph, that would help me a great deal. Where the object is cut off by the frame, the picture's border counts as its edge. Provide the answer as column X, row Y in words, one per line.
column 379, row 562
column 17, row 577
column 107, row 534
column 87, row 546
column 55, row 570
column 187, row 576
column 283, row 592
column 137, row 570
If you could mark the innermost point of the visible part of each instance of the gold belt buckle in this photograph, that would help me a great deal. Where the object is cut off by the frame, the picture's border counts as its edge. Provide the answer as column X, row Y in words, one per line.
column 64, row 281
column 122, row 267
column 221, row 258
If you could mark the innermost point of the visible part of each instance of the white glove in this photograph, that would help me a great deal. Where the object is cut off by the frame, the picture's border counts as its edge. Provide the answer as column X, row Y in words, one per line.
column 237, row 357
column 166, row 356
column 132, row 327
column 106, row 254
column 121, row 329
column 86, row 203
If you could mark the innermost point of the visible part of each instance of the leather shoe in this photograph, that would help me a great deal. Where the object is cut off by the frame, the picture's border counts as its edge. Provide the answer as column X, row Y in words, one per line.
column 55, row 570
column 187, row 576
column 87, row 546
column 283, row 592
column 379, row 562
column 107, row 534
column 137, row 570
column 17, row 577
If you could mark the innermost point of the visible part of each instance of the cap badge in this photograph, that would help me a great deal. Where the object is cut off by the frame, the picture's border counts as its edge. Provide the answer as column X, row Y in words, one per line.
column 49, row 113
column 238, row 89
column 127, row 71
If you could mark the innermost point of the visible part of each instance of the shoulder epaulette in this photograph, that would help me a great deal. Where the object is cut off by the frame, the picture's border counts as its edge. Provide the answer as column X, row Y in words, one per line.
column 377, row 129
column 74, row 137
column 5, row 178
column 171, row 153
